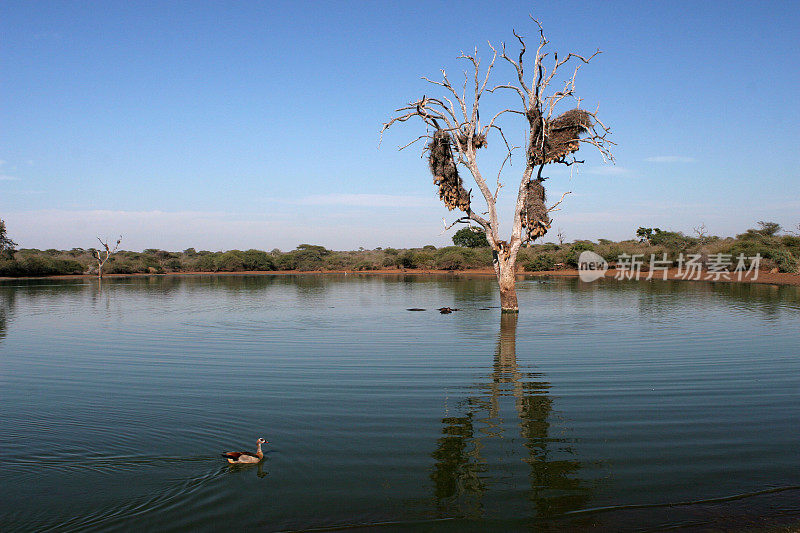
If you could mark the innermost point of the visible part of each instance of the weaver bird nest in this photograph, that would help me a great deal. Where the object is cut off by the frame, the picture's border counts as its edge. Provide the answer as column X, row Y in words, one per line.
column 478, row 140
column 445, row 173
column 561, row 135
column 535, row 219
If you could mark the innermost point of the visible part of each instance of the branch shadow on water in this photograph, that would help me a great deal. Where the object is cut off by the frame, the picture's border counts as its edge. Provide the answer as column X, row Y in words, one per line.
column 501, row 445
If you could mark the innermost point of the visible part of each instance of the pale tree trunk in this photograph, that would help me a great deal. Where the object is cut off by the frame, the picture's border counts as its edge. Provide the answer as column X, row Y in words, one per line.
column 508, row 289
column 505, row 269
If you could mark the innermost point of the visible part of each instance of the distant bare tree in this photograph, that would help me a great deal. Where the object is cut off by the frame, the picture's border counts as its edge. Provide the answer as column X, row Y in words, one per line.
column 560, row 236
column 102, row 255
column 702, row 233
column 456, row 133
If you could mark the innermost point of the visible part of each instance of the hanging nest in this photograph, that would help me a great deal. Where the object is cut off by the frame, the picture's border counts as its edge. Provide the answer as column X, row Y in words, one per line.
column 478, row 140
column 445, row 173
column 561, row 134
column 535, row 220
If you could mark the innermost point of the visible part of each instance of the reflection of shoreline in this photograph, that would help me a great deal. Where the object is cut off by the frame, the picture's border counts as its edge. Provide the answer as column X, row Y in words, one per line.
column 779, row 278
column 461, row 474
column 6, row 310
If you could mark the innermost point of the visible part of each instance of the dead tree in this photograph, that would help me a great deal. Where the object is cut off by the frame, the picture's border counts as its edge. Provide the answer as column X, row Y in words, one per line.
column 560, row 236
column 702, row 233
column 102, row 255
column 456, row 133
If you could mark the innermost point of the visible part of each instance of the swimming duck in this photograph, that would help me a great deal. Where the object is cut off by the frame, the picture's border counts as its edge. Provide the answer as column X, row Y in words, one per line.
column 246, row 457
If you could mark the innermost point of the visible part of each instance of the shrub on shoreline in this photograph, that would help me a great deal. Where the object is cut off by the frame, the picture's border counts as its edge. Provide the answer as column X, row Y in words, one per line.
column 777, row 251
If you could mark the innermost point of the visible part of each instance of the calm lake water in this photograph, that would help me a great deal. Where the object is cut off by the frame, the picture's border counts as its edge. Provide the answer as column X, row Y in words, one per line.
column 623, row 406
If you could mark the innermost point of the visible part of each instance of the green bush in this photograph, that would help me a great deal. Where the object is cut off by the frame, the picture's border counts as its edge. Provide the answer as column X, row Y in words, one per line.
column 257, row 260
column 175, row 265
column 457, row 257
column 539, row 262
column 612, row 253
column 9, row 267
column 575, row 252
column 150, row 261
column 425, row 258
column 365, row 265
column 230, row 261
column 785, row 261
column 310, row 257
column 674, row 240
column 792, row 243
column 749, row 247
column 450, row 260
column 407, row 259
column 206, row 263
column 470, row 237
column 286, row 261
column 777, row 251
column 41, row 265
column 124, row 267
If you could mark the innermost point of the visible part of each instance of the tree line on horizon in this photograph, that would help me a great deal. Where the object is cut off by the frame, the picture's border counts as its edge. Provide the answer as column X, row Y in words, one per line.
column 779, row 250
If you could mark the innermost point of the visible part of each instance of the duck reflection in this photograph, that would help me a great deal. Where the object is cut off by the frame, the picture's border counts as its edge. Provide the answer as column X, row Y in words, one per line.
column 463, row 477
column 241, row 468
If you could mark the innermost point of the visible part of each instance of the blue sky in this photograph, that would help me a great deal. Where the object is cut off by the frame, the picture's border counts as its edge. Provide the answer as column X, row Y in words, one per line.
column 223, row 125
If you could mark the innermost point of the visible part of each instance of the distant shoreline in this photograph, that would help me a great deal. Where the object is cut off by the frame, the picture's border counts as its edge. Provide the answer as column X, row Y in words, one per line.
column 768, row 278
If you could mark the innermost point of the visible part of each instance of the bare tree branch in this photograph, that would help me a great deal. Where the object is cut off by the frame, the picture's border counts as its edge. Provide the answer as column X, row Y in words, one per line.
column 499, row 172
column 415, row 140
column 462, row 220
column 555, row 205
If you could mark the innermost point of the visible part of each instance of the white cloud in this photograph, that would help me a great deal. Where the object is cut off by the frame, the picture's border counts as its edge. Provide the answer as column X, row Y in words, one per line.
column 6, row 177
column 366, row 200
column 670, row 159
column 607, row 170
column 219, row 230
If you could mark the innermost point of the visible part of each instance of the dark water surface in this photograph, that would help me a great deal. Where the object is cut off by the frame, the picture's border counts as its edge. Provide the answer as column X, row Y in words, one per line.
column 600, row 408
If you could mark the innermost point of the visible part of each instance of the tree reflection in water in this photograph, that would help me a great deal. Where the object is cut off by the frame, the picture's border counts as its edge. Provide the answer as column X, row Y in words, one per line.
column 462, row 477
column 6, row 309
